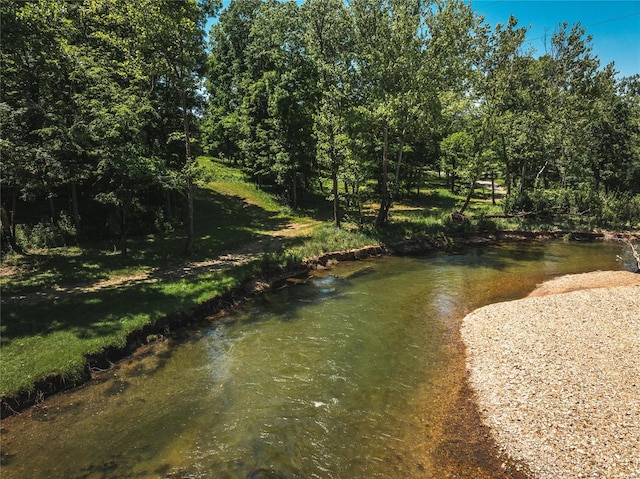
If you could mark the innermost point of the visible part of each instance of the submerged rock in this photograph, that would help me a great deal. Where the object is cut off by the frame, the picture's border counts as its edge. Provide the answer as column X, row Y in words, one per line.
column 264, row 474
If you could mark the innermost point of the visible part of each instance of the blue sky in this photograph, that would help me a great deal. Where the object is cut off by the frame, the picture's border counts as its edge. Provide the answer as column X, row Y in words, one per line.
column 613, row 24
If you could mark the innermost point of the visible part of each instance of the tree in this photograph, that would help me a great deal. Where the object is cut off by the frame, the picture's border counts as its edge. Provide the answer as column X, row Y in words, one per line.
column 329, row 42
column 224, row 122
column 457, row 153
column 391, row 67
column 173, row 31
column 32, row 107
column 284, row 78
column 114, row 104
column 263, row 89
column 492, row 85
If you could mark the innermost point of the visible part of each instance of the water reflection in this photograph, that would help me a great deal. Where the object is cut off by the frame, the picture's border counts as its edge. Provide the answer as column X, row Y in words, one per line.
column 354, row 373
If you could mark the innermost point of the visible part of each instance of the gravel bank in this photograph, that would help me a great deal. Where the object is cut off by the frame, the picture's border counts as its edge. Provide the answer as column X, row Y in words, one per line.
column 557, row 377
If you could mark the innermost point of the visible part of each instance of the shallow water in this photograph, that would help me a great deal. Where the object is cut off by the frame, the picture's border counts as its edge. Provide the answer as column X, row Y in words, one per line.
column 356, row 373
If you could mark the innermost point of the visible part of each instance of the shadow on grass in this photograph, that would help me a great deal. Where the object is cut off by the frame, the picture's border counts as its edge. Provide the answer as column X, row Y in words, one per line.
column 221, row 223
column 316, row 205
column 432, row 200
column 109, row 313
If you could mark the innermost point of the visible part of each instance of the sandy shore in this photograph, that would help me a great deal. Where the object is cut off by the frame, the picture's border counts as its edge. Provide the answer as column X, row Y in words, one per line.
column 557, row 375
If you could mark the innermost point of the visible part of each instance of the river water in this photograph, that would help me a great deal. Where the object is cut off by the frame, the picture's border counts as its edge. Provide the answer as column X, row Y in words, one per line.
column 358, row 372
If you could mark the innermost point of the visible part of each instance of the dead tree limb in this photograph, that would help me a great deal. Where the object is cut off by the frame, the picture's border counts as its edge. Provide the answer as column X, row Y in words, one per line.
column 635, row 253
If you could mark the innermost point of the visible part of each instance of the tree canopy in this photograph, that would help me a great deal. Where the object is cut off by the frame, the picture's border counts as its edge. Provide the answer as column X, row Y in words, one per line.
column 106, row 103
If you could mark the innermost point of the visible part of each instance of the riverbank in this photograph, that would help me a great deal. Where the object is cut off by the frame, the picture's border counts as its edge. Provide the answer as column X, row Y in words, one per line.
column 556, row 375
column 68, row 310
column 249, row 280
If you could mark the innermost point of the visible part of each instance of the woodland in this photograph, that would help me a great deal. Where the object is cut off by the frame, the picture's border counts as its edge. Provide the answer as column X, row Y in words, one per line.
column 106, row 104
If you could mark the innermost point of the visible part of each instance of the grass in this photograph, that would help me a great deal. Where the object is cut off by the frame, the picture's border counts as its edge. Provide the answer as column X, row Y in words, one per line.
column 41, row 339
column 44, row 338
column 229, row 211
column 326, row 239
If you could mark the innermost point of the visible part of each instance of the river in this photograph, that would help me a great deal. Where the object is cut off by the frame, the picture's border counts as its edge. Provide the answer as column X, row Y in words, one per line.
column 357, row 372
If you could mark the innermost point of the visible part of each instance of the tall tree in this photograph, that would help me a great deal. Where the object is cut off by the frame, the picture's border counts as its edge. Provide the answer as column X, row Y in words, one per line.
column 390, row 66
column 173, row 31
column 114, row 105
column 225, row 122
column 492, row 85
column 33, row 106
column 329, row 38
column 262, row 88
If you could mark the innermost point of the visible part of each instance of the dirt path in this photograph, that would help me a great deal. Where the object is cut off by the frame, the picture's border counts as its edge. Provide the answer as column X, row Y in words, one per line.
column 272, row 241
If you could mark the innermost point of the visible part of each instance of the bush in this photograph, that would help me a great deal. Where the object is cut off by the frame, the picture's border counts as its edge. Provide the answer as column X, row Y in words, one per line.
column 47, row 235
column 614, row 210
column 486, row 225
column 517, row 202
column 457, row 223
column 619, row 210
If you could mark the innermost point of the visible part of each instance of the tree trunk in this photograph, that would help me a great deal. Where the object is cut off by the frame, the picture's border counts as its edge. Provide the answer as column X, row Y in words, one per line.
column 336, row 199
column 400, row 151
column 493, row 188
column 524, row 172
column 453, row 176
column 123, row 232
column 383, row 212
column 507, row 167
column 75, row 210
column 8, row 228
column 467, row 200
column 188, row 249
column 52, row 208
column 294, row 193
column 13, row 215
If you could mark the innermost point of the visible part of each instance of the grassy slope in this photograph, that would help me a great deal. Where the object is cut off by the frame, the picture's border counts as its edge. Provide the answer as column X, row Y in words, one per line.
column 228, row 212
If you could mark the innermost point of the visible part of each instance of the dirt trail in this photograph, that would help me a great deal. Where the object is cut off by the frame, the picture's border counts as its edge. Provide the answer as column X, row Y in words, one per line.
column 271, row 241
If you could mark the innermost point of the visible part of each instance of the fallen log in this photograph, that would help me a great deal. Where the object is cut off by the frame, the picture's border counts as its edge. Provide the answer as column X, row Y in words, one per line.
column 521, row 214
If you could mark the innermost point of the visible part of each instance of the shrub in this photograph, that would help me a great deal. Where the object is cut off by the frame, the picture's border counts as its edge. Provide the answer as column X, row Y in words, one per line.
column 47, row 235
column 486, row 225
column 457, row 223
column 619, row 210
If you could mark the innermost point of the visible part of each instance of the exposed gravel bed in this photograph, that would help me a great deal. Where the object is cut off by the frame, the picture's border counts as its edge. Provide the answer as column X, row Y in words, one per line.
column 557, row 377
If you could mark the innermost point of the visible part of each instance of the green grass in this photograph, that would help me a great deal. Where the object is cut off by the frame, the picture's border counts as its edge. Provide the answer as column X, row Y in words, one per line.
column 53, row 337
column 228, row 212
column 41, row 339
column 327, row 238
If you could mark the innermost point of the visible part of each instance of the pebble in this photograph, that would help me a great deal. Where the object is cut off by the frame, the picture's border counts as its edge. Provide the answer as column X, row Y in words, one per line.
column 555, row 376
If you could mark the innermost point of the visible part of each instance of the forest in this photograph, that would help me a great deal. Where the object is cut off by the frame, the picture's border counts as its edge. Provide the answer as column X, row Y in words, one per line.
column 106, row 104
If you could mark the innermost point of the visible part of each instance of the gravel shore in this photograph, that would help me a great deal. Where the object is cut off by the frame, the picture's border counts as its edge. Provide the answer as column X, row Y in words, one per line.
column 557, row 375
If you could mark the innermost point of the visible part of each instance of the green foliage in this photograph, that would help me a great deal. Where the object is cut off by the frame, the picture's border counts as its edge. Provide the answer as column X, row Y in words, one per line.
column 103, row 113
column 619, row 211
column 610, row 210
column 553, row 201
column 47, row 234
column 89, row 92
column 457, row 155
column 327, row 238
